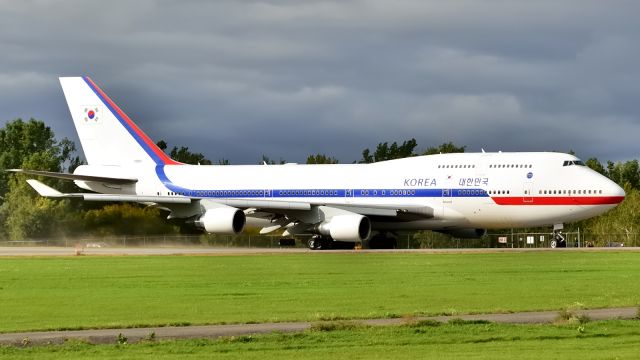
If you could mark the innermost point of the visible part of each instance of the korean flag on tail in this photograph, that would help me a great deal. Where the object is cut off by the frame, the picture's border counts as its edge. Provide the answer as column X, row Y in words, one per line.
column 92, row 114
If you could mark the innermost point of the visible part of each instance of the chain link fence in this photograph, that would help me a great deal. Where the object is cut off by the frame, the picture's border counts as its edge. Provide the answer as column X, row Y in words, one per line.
column 417, row 240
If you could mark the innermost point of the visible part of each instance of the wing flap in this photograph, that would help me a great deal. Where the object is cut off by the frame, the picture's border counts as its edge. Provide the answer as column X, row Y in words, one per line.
column 388, row 210
column 264, row 204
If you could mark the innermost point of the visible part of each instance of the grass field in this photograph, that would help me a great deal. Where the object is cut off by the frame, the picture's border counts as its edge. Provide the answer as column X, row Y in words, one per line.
column 97, row 292
column 601, row 340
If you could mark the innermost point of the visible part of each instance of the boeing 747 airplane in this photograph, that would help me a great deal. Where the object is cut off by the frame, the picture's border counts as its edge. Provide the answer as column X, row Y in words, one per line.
column 459, row 194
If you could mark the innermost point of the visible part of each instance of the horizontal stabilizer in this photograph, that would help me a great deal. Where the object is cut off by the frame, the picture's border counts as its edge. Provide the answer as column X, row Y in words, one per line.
column 44, row 190
column 103, row 179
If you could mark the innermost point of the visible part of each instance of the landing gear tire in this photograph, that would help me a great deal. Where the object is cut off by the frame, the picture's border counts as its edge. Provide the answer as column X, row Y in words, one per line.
column 558, row 241
column 320, row 243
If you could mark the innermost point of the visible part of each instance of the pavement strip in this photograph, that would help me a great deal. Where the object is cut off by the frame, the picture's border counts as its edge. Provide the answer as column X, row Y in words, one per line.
column 105, row 336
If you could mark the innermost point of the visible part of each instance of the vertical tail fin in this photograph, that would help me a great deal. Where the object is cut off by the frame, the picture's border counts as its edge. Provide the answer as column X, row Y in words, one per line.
column 107, row 134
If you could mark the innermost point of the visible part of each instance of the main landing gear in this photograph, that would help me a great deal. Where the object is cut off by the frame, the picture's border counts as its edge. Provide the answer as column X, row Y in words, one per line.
column 558, row 240
column 382, row 240
column 319, row 242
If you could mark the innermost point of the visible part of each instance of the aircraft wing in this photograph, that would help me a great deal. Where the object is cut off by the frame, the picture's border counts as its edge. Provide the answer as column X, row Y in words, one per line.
column 272, row 206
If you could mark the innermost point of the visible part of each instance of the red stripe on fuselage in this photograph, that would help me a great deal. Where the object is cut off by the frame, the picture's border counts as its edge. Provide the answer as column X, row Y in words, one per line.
column 152, row 146
column 558, row 200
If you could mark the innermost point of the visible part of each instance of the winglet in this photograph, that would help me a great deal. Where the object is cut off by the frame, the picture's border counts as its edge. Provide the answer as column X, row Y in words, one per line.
column 44, row 190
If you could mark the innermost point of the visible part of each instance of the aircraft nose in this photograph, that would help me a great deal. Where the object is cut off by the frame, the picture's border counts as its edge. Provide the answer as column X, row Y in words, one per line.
column 616, row 192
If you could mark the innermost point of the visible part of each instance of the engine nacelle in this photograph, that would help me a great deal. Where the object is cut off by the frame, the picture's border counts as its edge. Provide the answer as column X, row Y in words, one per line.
column 351, row 228
column 466, row 233
column 223, row 220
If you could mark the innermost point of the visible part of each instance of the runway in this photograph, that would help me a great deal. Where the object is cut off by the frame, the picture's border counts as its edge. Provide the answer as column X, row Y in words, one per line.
column 10, row 251
column 105, row 336
column 140, row 251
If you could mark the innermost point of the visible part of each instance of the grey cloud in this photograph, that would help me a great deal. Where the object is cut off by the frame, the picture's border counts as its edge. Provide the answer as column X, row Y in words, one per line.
column 238, row 79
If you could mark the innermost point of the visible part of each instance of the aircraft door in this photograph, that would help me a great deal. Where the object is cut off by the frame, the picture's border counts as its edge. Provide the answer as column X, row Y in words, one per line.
column 348, row 195
column 446, row 196
column 527, row 191
column 527, row 195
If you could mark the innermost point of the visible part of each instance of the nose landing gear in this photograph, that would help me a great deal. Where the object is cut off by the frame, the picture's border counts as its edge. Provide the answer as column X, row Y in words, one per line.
column 558, row 240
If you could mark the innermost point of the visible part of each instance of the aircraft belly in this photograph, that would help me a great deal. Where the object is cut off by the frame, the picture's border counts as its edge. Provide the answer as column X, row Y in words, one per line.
column 418, row 225
column 497, row 216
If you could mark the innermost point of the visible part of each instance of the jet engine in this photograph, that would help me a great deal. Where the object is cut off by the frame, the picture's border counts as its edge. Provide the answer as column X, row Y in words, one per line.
column 222, row 220
column 466, row 233
column 351, row 228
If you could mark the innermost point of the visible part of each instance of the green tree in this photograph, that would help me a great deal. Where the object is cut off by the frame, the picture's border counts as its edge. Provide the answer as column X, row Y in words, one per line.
column 19, row 140
column 183, row 154
column 384, row 151
column 597, row 166
column 32, row 145
column 625, row 173
column 267, row 160
column 619, row 224
column 630, row 174
column 127, row 219
column 445, row 148
column 30, row 216
column 321, row 159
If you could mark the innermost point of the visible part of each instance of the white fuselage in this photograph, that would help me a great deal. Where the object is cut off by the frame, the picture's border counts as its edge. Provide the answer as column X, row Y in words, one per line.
column 469, row 190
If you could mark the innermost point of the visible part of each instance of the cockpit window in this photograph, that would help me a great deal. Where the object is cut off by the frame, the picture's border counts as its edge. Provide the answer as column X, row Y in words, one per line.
column 573, row 162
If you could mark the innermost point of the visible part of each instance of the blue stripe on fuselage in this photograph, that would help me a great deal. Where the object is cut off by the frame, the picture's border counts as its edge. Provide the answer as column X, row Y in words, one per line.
column 317, row 193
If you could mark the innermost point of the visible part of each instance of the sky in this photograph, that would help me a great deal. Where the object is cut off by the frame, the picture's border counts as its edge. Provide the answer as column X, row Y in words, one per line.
column 240, row 79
